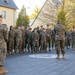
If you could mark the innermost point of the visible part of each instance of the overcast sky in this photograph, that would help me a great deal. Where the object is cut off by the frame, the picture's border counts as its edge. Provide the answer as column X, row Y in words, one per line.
column 29, row 4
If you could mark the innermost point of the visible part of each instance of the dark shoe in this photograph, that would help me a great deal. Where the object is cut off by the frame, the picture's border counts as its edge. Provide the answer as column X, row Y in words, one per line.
column 63, row 56
column 58, row 57
column 49, row 50
column 32, row 51
column 28, row 51
column 40, row 51
column 45, row 51
column 36, row 51
column 10, row 53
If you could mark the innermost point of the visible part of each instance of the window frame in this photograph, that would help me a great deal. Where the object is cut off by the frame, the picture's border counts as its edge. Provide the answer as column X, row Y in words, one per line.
column 3, row 14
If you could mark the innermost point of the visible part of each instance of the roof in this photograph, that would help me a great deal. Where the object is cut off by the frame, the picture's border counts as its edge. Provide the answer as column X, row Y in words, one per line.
column 8, row 4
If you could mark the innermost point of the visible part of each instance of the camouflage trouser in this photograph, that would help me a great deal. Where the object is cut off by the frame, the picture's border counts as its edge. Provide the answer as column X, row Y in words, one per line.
column 19, row 44
column 11, row 45
column 68, row 41
column 66, row 44
column 35, row 45
column 73, row 43
column 29, row 45
column 53, row 42
column 49, row 44
column 2, row 57
column 43, row 45
column 23, row 44
column 60, row 45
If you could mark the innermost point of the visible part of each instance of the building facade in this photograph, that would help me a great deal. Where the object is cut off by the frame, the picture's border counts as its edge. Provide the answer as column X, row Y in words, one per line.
column 47, row 14
column 8, row 11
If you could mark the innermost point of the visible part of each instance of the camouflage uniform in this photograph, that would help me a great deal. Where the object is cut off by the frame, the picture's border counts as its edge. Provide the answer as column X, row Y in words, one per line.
column 73, row 39
column 19, row 41
column 60, row 39
column 15, row 40
column 53, row 39
column 35, row 41
column 49, row 33
column 3, row 43
column 68, row 39
column 23, row 40
column 43, row 41
column 11, row 41
column 29, row 40
column 26, row 37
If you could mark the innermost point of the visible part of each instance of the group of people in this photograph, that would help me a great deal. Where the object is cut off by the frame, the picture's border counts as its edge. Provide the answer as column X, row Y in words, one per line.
column 23, row 40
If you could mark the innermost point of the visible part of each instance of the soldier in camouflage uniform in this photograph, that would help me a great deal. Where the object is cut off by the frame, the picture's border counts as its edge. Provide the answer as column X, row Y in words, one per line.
column 73, row 38
column 68, row 39
column 49, row 33
column 35, row 41
column 29, row 40
column 60, row 39
column 11, row 40
column 19, row 40
column 53, row 39
column 43, row 40
column 23, row 39
column 3, row 46
column 15, row 30
column 26, row 37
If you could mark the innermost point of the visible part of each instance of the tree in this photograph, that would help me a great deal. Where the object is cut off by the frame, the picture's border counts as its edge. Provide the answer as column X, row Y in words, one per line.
column 66, row 13
column 35, row 13
column 23, row 18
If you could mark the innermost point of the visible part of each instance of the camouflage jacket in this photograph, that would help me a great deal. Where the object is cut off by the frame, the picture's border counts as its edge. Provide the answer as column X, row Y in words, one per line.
column 49, row 32
column 35, row 36
column 59, row 32
column 3, row 37
column 43, row 36
column 11, row 34
column 73, row 34
column 18, row 34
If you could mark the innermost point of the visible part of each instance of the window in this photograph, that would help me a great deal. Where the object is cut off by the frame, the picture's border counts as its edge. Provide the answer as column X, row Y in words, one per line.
column 6, row 1
column 4, row 14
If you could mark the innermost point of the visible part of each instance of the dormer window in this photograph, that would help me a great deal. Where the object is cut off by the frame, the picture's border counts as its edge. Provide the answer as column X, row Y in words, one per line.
column 6, row 1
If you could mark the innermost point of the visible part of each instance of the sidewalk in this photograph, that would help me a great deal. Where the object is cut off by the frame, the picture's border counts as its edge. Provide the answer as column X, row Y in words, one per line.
column 40, row 64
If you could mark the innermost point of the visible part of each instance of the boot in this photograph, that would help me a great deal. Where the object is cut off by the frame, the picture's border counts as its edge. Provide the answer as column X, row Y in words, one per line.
column 49, row 50
column 58, row 56
column 40, row 51
column 28, row 51
column 63, row 56
column 10, row 53
column 32, row 51
column 23, row 51
column 45, row 51
column 2, row 71
column 36, row 51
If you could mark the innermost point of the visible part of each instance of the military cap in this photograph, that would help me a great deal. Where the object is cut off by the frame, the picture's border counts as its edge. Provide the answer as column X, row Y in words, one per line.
column 47, row 24
column 41, row 26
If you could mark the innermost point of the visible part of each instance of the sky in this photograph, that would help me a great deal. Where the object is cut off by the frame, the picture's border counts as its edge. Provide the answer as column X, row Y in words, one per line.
column 29, row 4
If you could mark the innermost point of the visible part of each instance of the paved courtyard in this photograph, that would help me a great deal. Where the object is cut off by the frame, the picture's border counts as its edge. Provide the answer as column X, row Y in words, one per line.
column 40, row 64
